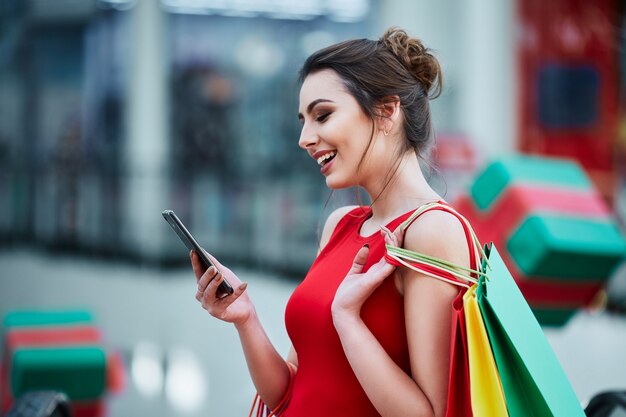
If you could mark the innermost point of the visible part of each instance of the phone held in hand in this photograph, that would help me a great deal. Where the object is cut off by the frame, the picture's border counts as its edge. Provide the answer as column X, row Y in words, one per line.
column 190, row 242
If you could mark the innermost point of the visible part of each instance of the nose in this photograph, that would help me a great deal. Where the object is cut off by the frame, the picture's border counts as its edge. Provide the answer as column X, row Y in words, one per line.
column 308, row 138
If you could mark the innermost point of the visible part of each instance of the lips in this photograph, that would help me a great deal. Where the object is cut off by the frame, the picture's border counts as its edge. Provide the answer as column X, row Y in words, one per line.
column 323, row 153
column 324, row 159
column 326, row 166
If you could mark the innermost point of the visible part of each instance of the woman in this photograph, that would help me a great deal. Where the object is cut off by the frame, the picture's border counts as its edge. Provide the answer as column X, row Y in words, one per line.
column 368, row 338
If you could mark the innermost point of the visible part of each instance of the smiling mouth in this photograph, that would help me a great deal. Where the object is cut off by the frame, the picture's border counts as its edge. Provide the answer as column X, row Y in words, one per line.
column 325, row 159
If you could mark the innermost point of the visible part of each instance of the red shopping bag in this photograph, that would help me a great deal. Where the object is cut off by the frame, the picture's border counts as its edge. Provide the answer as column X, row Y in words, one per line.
column 459, row 399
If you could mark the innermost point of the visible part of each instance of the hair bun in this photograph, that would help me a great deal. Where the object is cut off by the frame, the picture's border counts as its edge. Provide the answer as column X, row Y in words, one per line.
column 416, row 58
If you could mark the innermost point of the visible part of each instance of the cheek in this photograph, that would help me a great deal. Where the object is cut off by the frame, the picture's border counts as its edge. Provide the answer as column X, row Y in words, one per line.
column 351, row 136
column 373, row 157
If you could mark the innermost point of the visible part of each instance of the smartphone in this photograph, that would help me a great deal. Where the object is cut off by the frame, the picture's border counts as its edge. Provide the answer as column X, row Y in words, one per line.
column 225, row 288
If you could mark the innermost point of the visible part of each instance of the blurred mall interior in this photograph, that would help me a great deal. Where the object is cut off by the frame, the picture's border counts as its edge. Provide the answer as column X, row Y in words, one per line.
column 112, row 111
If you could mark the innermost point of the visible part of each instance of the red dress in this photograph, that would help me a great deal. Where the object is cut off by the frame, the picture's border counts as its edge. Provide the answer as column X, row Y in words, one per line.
column 325, row 384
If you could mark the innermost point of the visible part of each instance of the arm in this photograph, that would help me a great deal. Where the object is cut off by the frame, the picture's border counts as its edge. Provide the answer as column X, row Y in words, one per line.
column 427, row 316
column 268, row 370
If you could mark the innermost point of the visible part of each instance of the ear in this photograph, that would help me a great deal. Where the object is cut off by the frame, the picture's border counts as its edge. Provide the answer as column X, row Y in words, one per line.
column 388, row 113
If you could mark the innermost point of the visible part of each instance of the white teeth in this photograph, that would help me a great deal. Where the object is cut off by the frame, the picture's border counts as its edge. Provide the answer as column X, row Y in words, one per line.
column 323, row 158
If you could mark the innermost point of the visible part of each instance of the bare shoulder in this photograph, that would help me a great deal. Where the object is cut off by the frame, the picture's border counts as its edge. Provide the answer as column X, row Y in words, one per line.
column 332, row 221
column 438, row 233
column 441, row 235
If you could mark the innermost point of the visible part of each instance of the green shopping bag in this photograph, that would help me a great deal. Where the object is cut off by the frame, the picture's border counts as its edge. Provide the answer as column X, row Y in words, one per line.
column 533, row 381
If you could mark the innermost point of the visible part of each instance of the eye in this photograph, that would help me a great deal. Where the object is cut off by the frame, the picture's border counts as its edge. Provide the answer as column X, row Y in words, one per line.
column 322, row 117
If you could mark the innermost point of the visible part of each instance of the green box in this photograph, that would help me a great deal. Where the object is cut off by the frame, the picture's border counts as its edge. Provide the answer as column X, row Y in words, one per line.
column 572, row 248
column 80, row 372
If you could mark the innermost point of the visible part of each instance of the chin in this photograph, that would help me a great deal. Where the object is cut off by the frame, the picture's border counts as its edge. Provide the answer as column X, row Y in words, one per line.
column 338, row 184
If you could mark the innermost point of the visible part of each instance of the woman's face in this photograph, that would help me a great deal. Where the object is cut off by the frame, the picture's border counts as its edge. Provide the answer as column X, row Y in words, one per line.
column 336, row 132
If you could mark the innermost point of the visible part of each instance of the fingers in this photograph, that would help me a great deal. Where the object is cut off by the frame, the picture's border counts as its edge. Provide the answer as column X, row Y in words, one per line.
column 382, row 268
column 394, row 238
column 359, row 260
column 205, row 279
column 208, row 293
column 198, row 265
column 389, row 237
column 215, row 305
column 198, row 270
column 229, row 299
column 215, row 262
column 399, row 235
column 210, row 281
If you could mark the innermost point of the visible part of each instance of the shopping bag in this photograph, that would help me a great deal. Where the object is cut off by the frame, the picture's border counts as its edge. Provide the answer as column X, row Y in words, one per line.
column 459, row 403
column 485, row 387
column 533, row 381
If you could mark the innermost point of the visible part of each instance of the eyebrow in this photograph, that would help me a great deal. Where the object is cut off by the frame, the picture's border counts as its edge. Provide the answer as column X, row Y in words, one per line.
column 313, row 104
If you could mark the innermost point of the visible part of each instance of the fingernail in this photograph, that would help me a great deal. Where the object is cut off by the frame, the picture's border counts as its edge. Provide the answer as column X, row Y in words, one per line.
column 243, row 286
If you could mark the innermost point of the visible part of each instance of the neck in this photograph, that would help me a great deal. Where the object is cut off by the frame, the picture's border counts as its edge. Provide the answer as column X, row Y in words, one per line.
column 407, row 190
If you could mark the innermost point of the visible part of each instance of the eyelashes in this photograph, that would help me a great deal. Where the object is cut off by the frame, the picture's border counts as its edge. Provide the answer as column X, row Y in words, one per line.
column 322, row 117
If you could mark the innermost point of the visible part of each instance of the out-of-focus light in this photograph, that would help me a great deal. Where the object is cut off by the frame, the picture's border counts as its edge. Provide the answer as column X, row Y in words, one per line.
column 186, row 387
column 293, row 10
column 258, row 57
column 117, row 4
column 316, row 40
column 338, row 10
column 147, row 369
column 348, row 10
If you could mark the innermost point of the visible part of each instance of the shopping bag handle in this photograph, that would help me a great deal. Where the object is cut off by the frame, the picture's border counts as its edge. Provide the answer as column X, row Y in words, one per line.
column 432, row 266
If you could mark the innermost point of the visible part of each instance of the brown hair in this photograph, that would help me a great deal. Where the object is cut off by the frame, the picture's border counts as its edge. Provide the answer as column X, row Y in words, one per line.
column 373, row 71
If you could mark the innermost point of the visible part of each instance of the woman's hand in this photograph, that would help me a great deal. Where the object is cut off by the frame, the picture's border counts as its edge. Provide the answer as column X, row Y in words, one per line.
column 234, row 308
column 358, row 286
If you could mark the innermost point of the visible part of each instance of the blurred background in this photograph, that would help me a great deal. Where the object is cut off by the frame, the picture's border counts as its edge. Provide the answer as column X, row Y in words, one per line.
column 114, row 110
